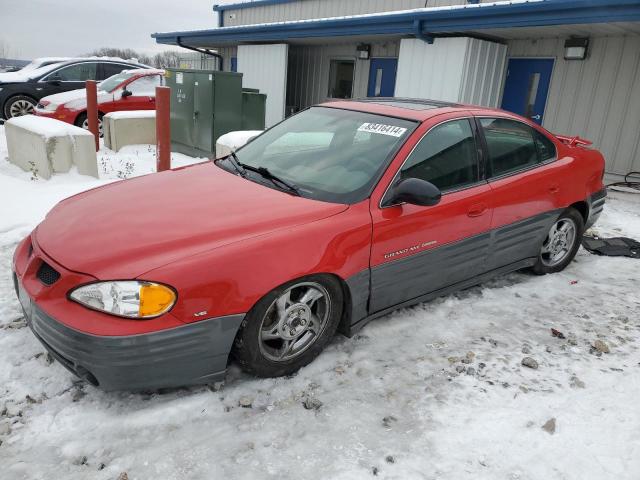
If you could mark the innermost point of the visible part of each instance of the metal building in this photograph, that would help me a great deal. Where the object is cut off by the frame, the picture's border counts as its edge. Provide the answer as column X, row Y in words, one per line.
column 571, row 65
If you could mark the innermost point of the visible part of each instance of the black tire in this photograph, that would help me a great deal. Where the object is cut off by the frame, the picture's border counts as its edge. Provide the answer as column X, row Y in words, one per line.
column 82, row 118
column 545, row 263
column 14, row 102
column 247, row 348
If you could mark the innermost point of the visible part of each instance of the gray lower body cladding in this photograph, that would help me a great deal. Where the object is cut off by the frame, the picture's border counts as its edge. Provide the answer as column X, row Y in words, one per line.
column 448, row 268
column 596, row 205
column 191, row 354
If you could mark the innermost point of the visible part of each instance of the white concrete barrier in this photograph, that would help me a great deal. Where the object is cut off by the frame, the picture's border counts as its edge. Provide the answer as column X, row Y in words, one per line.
column 135, row 127
column 45, row 146
column 231, row 141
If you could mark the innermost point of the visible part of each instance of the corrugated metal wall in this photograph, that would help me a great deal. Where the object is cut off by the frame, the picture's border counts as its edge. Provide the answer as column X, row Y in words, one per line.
column 458, row 69
column 598, row 98
column 305, row 9
column 199, row 61
column 265, row 67
column 308, row 76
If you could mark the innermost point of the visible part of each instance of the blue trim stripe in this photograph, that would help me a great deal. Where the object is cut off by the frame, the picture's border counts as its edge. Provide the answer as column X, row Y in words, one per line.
column 457, row 20
column 253, row 4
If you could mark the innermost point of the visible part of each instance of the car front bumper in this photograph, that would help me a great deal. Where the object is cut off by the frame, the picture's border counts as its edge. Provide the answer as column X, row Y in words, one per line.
column 192, row 354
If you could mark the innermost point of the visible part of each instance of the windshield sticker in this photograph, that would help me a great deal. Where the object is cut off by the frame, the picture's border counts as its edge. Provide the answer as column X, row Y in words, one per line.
column 382, row 129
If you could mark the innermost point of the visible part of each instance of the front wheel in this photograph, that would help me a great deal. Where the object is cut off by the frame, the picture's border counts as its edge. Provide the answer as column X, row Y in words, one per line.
column 561, row 244
column 18, row 106
column 289, row 326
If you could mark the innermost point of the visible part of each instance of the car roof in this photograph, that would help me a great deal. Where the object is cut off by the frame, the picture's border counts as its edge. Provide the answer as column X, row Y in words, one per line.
column 419, row 109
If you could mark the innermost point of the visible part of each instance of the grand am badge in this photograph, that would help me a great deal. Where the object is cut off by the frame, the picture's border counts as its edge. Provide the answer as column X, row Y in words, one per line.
column 411, row 249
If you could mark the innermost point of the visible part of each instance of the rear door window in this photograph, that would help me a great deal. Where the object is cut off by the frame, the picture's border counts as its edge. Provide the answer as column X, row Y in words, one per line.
column 109, row 69
column 514, row 146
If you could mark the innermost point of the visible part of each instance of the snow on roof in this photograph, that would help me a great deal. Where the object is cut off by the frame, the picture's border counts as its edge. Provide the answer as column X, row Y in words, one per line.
column 27, row 74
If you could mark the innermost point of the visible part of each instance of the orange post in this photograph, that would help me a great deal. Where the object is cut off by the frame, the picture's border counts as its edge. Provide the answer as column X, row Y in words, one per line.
column 92, row 110
column 163, row 129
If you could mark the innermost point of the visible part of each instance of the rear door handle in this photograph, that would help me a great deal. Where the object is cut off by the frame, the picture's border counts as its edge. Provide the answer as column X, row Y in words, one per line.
column 477, row 210
column 555, row 188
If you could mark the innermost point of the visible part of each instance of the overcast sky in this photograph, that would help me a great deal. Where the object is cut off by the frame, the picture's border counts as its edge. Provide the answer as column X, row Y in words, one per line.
column 39, row 28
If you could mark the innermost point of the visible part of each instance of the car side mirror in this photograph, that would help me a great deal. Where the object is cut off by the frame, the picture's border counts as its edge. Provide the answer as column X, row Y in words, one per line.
column 54, row 82
column 126, row 93
column 413, row 191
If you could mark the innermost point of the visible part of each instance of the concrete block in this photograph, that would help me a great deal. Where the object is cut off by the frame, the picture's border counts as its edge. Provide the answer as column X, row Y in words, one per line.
column 136, row 127
column 231, row 141
column 46, row 146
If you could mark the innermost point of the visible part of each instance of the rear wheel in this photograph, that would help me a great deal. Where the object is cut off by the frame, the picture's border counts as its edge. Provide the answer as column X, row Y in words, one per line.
column 83, row 122
column 561, row 244
column 18, row 106
column 289, row 326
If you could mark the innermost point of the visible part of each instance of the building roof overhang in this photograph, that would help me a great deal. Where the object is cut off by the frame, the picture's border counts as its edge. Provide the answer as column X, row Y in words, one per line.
column 421, row 22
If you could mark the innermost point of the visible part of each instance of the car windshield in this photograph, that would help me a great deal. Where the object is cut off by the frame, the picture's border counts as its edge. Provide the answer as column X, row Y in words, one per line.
column 328, row 154
column 113, row 81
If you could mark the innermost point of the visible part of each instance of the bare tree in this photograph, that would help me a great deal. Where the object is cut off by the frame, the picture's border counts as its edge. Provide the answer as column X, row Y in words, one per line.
column 5, row 49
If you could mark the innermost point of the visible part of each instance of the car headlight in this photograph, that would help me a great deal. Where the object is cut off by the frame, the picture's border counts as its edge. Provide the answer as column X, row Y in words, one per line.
column 130, row 298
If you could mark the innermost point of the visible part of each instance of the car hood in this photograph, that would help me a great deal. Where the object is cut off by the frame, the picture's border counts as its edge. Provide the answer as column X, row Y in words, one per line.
column 74, row 99
column 127, row 228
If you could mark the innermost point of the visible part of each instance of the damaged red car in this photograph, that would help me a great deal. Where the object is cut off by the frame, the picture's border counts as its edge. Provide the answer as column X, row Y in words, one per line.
column 335, row 216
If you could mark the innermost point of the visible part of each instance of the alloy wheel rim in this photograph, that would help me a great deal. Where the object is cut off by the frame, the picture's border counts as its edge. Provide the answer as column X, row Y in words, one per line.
column 85, row 125
column 294, row 321
column 559, row 242
column 21, row 107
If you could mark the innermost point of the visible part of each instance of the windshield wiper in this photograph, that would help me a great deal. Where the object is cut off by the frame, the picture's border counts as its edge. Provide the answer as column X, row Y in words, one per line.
column 266, row 173
column 237, row 164
column 242, row 168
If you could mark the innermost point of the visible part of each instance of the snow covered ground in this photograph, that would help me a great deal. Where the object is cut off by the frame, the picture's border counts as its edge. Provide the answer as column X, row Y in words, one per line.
column 389, row 402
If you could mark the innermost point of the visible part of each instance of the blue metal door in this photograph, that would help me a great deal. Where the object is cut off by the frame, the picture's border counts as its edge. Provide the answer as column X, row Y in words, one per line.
column 527, row 86
column 382, row 77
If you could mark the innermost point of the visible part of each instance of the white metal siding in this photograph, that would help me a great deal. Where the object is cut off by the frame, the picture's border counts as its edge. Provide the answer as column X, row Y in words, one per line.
column 308, row 74
column 265, row 67
column 598, row 98
column 306, row 9
column 458, row 69
column 483, row 73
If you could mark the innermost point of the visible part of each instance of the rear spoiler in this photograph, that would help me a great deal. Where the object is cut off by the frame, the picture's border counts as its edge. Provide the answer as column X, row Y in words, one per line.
column 574, row 141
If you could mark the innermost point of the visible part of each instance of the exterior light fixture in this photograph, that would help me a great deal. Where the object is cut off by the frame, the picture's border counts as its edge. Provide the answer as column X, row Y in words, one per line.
column 364, row 51
column 576, row 48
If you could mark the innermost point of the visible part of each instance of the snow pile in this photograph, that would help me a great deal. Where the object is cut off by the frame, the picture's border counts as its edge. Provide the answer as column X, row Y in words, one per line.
column 124, row 114
column 437, row 391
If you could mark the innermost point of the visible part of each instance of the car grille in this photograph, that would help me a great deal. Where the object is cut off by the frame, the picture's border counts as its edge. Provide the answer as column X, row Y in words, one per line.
column 47, row 274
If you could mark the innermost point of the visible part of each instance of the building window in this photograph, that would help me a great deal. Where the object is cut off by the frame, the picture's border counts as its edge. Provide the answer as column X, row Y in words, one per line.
column 341, row 78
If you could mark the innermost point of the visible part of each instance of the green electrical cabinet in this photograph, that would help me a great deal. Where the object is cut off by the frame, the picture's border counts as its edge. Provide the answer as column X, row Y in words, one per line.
column 253, row 109
column 204, row 106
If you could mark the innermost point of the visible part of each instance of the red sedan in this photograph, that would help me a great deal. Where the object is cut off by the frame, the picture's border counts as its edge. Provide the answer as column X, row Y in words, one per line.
column 334, row 217
column 128, row 90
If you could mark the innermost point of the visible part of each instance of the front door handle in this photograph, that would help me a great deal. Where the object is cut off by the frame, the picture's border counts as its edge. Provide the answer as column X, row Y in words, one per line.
column 554, row 188
column 477, row 210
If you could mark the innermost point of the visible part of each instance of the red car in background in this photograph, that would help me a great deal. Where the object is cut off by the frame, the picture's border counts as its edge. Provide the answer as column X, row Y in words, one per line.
column 128, row 90
column 335, row 216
